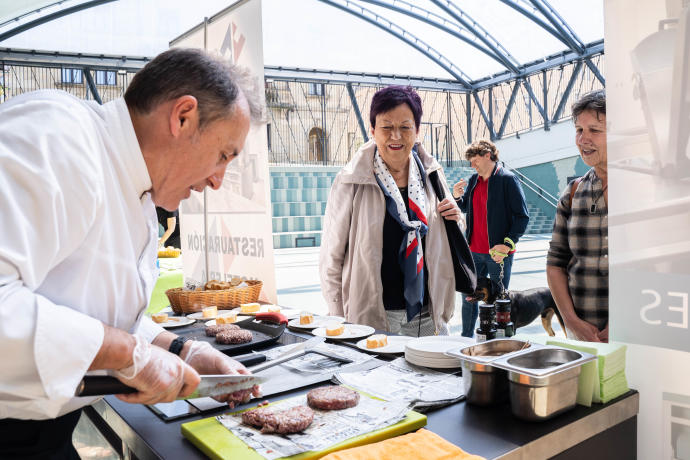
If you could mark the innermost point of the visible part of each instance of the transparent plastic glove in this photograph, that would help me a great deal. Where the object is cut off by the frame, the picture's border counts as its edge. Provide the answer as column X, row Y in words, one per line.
column 207, row 360
column 159, row 376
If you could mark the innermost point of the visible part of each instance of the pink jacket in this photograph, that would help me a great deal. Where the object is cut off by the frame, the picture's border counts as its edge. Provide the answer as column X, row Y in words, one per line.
column 352, row 242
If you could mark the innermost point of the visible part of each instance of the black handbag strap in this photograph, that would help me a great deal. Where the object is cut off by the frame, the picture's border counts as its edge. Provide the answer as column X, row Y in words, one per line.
column 436, row 185
column 463, row 263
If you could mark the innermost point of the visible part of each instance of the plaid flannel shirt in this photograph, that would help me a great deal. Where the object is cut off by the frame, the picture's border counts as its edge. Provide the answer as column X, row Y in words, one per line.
column 580, row 245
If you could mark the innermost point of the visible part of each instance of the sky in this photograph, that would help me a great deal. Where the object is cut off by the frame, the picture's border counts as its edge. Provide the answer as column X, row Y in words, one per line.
column 313, row 34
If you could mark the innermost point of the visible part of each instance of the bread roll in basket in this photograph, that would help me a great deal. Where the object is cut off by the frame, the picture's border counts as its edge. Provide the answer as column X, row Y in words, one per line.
column 184, row 301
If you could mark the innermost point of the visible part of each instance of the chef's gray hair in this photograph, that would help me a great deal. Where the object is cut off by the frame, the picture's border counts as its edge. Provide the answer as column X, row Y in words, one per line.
column 215, row 83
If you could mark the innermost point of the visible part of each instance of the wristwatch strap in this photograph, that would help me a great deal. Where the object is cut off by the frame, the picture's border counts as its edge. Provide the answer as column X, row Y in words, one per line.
column 177, row 344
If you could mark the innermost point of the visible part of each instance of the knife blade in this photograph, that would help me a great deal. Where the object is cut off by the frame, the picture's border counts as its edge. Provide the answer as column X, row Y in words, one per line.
column 210, row 385
column 215, row 385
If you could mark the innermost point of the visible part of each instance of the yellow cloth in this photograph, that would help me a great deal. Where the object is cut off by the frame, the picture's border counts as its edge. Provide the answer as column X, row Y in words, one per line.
column 420, row 445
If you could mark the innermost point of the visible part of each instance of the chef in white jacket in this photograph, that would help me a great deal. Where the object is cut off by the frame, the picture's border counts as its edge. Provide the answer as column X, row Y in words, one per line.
column 78, row 239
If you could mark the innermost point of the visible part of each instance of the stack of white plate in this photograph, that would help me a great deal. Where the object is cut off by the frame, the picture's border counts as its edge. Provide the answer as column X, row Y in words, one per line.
column 430, row 351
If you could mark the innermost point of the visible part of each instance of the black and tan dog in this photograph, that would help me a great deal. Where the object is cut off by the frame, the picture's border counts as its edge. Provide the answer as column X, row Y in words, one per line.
column 525, row 306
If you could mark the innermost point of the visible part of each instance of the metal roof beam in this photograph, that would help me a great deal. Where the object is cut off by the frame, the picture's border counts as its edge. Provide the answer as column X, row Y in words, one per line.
column 545, row 98
column 480, row 106
column 134, row 63
column 92, row 85
column 548, row 62
column 509, row 109
column 523, row 7
column 388, row 26
column 439, row 22
column 332, row 76
column 358, row 114
column 60, row 59
column 468, row 117
column 595, row 70
column 574, row 43
column 50, row 17
column 482, row 34
column 21, row 16
column 566, row 93
column 528, row 87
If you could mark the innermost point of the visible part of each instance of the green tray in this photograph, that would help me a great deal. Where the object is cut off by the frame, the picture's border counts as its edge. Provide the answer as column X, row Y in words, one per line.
column 219, row 443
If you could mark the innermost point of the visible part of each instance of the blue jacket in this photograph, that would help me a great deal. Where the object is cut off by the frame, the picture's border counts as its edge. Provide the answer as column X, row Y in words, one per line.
column 506, row 215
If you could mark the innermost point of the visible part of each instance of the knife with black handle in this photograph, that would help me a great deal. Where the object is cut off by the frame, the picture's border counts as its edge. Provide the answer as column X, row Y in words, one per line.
column 98, row 385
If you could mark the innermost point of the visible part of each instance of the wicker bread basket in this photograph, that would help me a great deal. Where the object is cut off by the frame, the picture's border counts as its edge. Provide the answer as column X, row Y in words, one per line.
column 184, row 302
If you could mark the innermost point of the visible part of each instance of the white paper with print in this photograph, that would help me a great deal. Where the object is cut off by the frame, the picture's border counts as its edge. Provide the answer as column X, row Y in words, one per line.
column 314, row 363
column 402, row 381
column 327, row 429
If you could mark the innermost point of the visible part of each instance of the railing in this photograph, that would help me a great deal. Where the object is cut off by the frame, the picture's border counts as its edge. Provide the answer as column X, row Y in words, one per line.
column 17, row 79
column 536, row 188
column 313, row 122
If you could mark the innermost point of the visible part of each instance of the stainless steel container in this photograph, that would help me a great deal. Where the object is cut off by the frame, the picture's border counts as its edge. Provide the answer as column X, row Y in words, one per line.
column 543, row 382
column 485, row 384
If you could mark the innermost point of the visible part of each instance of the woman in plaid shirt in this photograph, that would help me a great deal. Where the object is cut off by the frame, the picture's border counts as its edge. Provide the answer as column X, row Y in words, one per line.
column 577, row 262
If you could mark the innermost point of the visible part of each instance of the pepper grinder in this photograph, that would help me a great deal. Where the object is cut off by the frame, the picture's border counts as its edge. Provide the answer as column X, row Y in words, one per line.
column 487, row 323
column 504, row 326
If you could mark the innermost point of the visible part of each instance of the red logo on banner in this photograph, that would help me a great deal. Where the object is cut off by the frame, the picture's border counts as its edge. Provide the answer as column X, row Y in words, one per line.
column 233, row 42
column 237, row 45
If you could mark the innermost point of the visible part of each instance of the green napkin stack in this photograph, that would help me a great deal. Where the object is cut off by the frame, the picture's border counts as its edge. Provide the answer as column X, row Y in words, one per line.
column 613, row 387
column 600, row 380
column 611, row 370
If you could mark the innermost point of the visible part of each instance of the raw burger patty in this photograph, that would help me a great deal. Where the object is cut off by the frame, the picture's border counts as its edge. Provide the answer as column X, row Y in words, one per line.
column 332, row 397
column 234, row 336
column 287, row 421
column 211, row 331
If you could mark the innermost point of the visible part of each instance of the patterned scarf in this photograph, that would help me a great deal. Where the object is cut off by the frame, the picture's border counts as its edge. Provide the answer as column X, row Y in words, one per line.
column 411, row 257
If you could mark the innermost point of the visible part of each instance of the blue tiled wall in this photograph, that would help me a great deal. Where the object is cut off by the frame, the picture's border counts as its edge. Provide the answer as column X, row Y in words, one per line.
column 299, row 198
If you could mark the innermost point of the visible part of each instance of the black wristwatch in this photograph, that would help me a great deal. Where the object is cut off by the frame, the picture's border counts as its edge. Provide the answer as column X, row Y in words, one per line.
column 177, row 344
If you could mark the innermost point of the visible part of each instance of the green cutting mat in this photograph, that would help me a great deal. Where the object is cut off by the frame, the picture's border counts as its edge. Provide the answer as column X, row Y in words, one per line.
column 216, row 441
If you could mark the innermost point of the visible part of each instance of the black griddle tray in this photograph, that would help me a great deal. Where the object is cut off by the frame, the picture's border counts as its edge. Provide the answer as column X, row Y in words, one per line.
column 266, row 329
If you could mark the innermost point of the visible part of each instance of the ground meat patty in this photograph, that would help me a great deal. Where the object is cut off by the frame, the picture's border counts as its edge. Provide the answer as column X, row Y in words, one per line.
column 287, row 421
column 234, row 336
column 211, row 331
column 332, row 397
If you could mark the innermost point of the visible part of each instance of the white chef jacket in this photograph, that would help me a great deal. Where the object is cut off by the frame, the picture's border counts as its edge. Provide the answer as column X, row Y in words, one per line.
column 78, row 240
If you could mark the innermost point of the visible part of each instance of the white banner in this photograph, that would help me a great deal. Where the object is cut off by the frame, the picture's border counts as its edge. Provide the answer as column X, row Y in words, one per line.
column 648, row 116
column 240, row 241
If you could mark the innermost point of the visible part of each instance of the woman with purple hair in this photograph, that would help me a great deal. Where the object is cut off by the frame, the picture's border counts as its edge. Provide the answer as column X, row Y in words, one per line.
column 384, row 259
